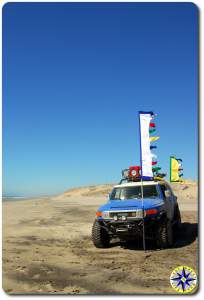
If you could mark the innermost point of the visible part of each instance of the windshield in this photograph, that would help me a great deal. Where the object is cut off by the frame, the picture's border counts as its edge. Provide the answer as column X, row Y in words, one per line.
column 132, row 192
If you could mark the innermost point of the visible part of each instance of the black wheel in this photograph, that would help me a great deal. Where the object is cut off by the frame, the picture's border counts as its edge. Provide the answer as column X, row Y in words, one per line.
column 177, row 218
column 165, row 235
column 100, row 236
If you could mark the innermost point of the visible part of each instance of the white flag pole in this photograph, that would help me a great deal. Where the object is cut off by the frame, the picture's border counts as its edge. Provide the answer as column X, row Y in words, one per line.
column 142, row 191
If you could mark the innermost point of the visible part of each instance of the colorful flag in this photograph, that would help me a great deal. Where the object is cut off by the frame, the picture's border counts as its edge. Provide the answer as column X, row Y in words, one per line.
column 175, row 168
column 156, row 169
column 153, row 138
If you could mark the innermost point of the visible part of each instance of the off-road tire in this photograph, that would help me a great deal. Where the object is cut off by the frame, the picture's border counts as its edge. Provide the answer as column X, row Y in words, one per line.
column 165, row 235
column 100, row 236
column 177, row 218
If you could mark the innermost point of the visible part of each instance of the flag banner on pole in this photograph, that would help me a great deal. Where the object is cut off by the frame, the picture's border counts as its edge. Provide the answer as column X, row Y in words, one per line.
column 146, row 155
column 175, row 168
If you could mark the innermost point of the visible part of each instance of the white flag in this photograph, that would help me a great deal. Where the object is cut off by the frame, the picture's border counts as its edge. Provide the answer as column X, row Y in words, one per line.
column 146, row 155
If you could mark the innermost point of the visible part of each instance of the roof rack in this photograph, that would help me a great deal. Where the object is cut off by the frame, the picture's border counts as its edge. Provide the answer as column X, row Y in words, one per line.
column 138, row 179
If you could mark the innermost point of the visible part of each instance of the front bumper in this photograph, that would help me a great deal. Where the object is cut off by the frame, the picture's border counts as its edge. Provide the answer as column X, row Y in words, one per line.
column 132, row 228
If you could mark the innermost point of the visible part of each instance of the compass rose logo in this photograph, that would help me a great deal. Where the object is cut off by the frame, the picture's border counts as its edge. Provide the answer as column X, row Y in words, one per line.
column 183, row 279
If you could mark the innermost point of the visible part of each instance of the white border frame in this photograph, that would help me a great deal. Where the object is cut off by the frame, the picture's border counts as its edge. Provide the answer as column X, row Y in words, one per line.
column 200, row 293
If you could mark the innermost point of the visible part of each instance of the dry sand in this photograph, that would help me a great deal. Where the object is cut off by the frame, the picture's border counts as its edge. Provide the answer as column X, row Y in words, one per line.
column 47, row 248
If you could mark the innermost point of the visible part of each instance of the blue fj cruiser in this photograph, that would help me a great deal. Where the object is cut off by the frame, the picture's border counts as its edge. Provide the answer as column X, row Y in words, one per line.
column 122, row 216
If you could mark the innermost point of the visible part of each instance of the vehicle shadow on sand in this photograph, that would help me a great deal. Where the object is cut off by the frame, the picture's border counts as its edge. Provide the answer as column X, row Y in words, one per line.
column 185, row 236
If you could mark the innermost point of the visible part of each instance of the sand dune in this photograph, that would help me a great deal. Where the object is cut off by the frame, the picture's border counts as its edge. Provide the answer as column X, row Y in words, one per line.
column 47, row 247
column 187, row 190
column 188, row 187
column 94, row 190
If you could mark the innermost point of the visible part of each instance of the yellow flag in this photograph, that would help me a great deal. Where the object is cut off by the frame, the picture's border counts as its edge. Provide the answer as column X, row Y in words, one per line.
column 174, row 169
column 153, row 138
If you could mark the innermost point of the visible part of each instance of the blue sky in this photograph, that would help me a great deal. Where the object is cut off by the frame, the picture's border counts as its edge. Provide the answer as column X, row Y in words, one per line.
column 74, row 78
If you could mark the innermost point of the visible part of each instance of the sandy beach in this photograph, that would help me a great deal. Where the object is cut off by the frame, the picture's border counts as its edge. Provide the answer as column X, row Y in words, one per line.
column 47, row 248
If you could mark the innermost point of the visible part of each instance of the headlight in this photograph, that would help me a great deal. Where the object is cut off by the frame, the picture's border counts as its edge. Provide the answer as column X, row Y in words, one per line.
column 105, row 215
column 139, row 213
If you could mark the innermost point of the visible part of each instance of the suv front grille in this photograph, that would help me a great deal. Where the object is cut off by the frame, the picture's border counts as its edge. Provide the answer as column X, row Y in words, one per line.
column 120, row 214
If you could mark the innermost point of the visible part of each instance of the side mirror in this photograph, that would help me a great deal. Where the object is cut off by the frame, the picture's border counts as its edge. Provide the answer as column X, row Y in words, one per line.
column 167, row 194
